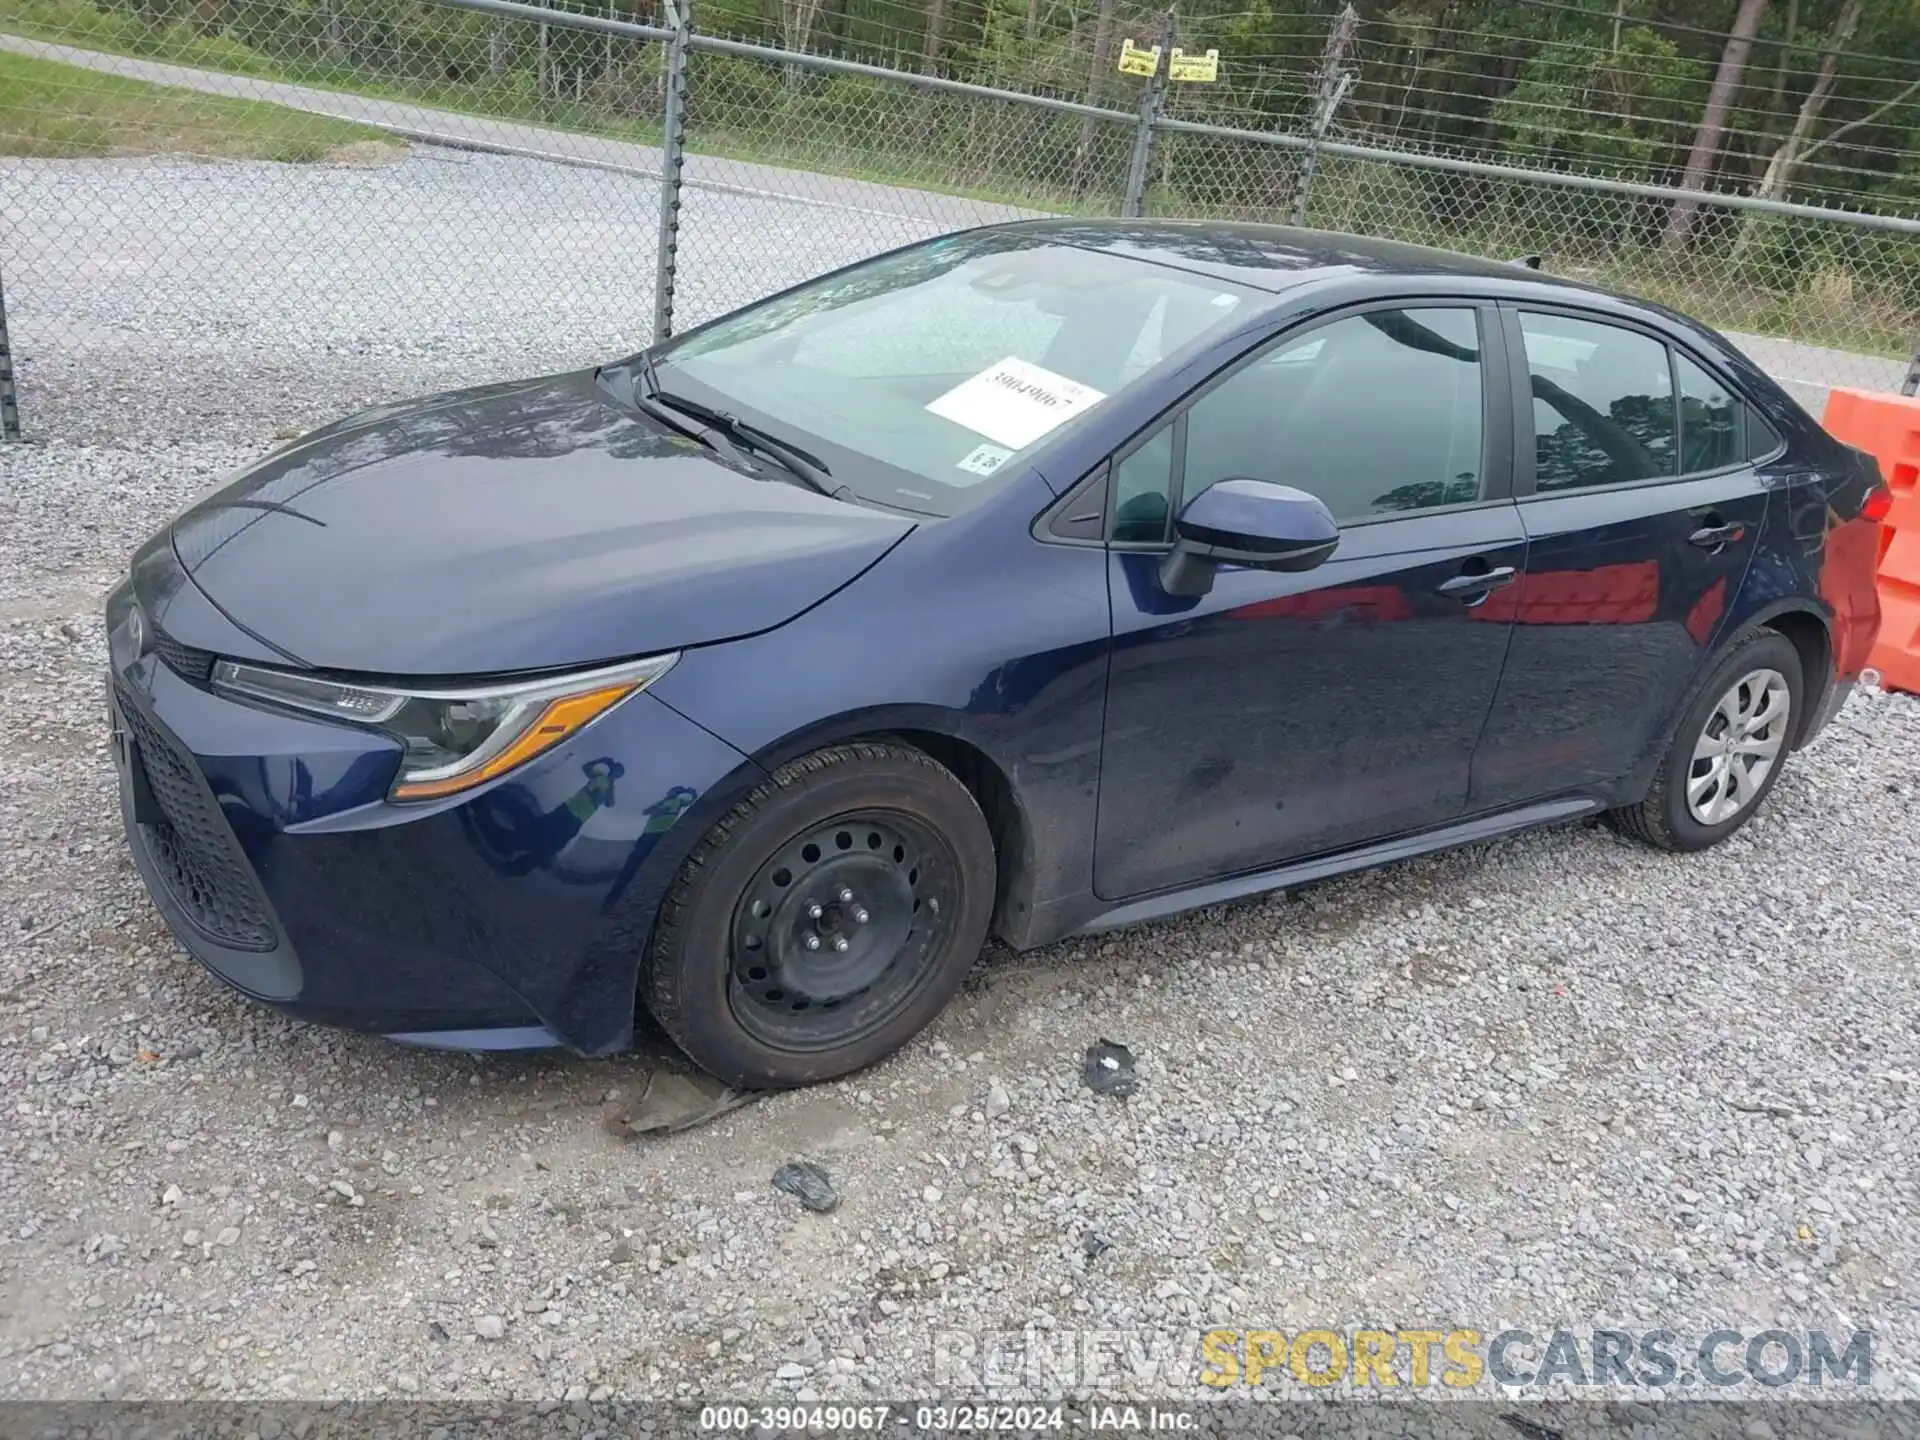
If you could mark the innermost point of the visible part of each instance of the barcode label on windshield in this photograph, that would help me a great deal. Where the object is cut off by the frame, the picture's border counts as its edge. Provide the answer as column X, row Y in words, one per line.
column 983, row 459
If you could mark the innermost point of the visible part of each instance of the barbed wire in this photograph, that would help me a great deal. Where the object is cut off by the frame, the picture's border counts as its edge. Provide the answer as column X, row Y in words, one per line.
column 1513, row 43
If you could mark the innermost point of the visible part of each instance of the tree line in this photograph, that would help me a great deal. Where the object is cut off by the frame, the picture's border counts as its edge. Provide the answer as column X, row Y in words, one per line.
column 1807, row 99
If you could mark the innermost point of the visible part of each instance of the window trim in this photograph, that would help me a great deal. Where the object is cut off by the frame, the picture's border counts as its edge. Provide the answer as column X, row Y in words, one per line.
column 1525, row 454
column 1497, row 452
column 1043, row 527
column 1101, row 477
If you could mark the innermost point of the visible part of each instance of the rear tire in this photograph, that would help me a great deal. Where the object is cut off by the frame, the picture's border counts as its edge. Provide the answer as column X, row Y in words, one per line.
column 824, row 920
column 1727, row 750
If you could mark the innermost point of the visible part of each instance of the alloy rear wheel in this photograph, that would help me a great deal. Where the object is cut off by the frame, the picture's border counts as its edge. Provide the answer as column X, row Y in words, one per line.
column 1739, row 746
column 1727, row 750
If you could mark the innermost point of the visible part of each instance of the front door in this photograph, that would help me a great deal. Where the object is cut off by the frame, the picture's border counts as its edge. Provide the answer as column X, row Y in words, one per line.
column 1287, row 714
column 1642, row 511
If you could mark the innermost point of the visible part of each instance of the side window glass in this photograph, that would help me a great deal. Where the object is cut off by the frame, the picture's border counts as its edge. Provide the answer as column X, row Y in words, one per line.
column 1376, row 414
column 1762, row 438
column 1142, row 485
column 1709, row 420
column 1603, row 409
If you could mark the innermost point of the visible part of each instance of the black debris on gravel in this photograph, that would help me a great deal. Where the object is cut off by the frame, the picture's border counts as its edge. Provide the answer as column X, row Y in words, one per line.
column 1109, row 1069
column 809, row 1184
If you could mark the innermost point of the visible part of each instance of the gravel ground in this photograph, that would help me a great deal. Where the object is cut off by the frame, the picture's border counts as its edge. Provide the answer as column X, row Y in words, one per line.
column 1555, row 1080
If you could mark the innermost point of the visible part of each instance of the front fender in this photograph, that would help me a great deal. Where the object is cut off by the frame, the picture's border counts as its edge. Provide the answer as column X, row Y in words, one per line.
column 1007, row 659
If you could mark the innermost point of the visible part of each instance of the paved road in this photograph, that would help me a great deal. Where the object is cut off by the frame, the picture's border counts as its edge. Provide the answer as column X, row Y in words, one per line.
column 451, row 127
column 1809, row 371
column 892, row 214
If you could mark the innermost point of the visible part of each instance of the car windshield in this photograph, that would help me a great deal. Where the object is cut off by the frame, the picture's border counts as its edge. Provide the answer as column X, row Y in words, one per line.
column 919, row 376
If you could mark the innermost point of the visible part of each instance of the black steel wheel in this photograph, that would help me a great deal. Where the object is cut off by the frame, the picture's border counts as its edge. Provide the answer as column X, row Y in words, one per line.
column 825, row 919
column 836, row 930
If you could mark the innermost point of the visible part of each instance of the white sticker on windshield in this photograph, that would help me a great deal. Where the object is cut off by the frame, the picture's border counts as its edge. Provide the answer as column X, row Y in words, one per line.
column 984, row 459
column 1014, row 403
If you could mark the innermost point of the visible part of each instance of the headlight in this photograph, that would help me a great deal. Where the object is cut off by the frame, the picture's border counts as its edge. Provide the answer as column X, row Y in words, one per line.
column 126, row 627
column 455, row 739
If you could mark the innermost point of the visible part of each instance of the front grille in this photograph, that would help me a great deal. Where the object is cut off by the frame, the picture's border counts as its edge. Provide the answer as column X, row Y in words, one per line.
column 193, row 847
column 185, row 661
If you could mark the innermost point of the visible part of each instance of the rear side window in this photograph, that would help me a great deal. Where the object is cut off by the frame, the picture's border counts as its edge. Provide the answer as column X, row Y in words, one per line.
column 1603, row 404
column 1762, row 438
column 1710, row 435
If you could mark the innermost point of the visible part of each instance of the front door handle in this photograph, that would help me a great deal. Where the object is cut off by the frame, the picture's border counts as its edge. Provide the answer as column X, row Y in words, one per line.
column 1714, row 537
column 1461, row 586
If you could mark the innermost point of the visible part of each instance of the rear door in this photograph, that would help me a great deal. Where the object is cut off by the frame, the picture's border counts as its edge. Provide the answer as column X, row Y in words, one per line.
column 1642, row 510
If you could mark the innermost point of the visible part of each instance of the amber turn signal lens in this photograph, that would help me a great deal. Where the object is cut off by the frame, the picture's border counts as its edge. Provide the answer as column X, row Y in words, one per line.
column 560, row 718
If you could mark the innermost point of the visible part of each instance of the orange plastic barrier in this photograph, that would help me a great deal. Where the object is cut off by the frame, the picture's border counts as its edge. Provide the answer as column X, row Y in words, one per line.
column 1888, row 428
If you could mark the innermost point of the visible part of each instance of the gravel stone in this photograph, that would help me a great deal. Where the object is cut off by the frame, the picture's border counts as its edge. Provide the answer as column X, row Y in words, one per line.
column 998, row 1101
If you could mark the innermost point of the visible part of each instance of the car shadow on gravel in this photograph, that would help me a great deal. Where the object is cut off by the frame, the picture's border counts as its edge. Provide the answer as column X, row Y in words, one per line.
column 1001, row 981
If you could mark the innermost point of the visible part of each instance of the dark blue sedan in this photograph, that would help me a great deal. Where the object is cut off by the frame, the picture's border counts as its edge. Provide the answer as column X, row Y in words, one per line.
column 1025, row 582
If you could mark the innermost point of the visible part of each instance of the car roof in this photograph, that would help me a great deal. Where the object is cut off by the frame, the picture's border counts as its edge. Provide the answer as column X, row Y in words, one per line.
column 1279, row 257
column 1276, row 259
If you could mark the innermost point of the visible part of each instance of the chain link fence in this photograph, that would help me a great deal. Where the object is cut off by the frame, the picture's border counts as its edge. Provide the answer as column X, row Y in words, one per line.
column 394, row 189
column 1819, row 298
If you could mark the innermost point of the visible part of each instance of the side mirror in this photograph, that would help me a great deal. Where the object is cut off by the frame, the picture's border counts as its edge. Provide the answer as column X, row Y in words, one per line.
column 1247, row 522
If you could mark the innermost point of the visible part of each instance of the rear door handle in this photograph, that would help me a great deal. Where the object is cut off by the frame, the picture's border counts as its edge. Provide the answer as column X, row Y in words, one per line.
column 1712, row 537
column 1461, row 586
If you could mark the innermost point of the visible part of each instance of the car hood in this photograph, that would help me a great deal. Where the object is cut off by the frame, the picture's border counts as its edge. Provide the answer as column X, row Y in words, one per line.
column 514, row 527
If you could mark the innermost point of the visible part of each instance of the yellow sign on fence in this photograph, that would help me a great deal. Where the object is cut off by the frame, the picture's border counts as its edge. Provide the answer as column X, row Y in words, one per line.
column 1136, row 61
column 1182, row 66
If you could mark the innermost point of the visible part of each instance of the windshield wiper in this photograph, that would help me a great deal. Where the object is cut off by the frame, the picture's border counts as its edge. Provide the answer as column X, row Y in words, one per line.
column 741, row 435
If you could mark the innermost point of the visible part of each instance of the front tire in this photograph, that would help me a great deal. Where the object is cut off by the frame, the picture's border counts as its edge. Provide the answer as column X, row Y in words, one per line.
column 824, row 920
column 1726, row 751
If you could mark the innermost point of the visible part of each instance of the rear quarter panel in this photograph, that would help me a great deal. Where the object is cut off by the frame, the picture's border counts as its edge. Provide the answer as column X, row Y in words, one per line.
column 1816, row 554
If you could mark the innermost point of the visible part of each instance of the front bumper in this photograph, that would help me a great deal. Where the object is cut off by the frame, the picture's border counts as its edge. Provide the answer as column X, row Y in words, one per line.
column 511, row 917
